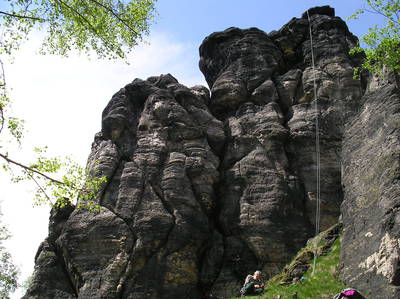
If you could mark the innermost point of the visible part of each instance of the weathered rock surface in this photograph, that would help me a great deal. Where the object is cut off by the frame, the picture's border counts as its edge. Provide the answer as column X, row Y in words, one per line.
column 261, row 87
column 371, row 209
column 203, row 189
column 156, row 148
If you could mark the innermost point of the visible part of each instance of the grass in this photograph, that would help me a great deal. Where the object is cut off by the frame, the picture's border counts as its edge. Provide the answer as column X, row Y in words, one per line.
column 323, row 284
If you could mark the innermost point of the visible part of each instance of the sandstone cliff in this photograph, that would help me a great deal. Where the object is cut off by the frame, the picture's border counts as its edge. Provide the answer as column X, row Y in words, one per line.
column 204, row 188
column 371, row 182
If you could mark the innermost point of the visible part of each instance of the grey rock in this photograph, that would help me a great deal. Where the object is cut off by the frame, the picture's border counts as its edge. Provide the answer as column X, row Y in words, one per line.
column 235, row 62
column 265, row 93
column 96, row 248
column 320, row 10
column 338, row 97
column 371, row 215
column 50, row 278
column 290, row 88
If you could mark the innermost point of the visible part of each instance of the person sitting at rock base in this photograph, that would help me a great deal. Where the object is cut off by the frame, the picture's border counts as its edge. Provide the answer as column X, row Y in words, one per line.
column 252, row 284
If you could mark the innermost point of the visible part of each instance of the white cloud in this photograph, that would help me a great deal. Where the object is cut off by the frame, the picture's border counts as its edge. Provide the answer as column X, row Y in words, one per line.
column 61, row 100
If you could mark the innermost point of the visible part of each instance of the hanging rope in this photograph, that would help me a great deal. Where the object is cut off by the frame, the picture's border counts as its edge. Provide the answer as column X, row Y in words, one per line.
column 317, row 150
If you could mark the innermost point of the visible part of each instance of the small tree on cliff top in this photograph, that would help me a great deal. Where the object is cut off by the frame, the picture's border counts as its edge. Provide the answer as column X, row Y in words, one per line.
column 383, row 43
column 105, row 28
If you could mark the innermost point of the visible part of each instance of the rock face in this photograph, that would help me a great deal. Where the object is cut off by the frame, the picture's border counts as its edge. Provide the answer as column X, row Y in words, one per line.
column 203, row 189
column 261, row 88
column 371, row 209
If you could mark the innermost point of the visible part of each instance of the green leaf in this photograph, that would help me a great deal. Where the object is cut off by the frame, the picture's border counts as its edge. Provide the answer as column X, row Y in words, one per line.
column 383, row 43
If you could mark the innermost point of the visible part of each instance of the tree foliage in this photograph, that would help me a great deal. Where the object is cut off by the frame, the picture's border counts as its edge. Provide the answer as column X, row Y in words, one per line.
column 8, row 271
column 382, row 43
column 111, row 28
column 58, row 180
column 105, row 28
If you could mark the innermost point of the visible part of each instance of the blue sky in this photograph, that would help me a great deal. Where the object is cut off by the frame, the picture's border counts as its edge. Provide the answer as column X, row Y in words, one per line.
column 191, row 21
column 61, row 99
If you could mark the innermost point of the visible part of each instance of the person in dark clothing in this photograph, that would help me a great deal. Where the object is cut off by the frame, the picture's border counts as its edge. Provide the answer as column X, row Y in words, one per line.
column 252, row 284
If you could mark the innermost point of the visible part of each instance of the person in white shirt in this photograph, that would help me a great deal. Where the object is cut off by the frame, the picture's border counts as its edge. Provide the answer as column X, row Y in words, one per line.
column 252, row 284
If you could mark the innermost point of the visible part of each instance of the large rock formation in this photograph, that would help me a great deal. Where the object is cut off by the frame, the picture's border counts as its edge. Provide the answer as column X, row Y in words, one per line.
column 203, row 189
column 371, row 209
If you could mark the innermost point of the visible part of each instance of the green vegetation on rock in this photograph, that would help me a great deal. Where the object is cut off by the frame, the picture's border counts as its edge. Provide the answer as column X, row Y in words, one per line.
column 382, row 42
column 324, row 283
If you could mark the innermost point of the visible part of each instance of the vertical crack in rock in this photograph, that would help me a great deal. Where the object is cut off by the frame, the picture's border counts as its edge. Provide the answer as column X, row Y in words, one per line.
column 338, row 98
column 254, row 130
column 170, row 210
column 290, row 90
column 124, row 272
column 51, row 278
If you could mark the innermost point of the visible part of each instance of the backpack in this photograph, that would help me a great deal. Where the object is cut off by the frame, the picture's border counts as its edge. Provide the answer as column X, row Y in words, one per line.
column 350, row 293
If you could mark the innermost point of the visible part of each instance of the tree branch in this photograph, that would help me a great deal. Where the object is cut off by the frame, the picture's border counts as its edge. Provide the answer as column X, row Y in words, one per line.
column 20, row 16
column 30, row 169
column 40, row 187
column 115, row 15
column 3, row 87
column 29, row 3
column 3, row 74
column 2, row 120
column 378, row 12
column 86, row 21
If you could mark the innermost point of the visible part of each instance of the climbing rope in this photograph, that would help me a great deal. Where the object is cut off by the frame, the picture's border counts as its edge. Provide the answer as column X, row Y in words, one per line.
column 317, row 150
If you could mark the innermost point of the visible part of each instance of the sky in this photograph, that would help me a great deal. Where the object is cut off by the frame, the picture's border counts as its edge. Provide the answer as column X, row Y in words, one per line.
column 61, row 99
